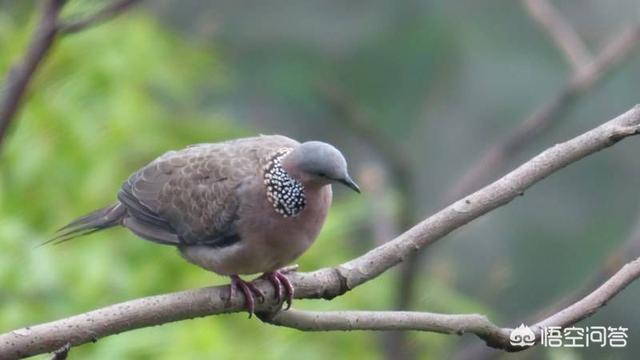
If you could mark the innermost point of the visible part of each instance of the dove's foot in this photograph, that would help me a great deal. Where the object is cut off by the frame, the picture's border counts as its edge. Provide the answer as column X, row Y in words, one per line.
column 250, row 292
column 282, row 285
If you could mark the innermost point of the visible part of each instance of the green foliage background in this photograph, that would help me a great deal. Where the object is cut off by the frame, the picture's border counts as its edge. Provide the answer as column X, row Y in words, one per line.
column 106, row 102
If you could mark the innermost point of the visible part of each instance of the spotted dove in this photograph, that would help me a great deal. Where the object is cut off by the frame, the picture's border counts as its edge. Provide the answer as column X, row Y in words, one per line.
column 243, row 206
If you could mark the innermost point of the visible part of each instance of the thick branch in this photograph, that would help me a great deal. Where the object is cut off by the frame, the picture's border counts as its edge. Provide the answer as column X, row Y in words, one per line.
column 560, row 32
column 331, row 282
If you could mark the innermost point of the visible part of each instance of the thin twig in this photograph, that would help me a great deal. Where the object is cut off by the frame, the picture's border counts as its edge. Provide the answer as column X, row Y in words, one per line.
column 48, row 30
column 560, row 32
column 105, row 14
column 455, row 324
column 595, row 300
column 19, row 76
column 331, row 282
column 616, row 50
column 628, row 250
column 548, row 115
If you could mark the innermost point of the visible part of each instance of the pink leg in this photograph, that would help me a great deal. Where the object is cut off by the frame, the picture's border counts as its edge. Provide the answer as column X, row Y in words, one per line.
column 249, row 291
column 281, row 284
column 277, row 284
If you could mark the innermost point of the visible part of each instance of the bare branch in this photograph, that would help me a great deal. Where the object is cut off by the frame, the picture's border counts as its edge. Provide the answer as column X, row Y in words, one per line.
column 560, row 31
column 457, row 324
column 48, row 30
column 595, row 300
column 614, row 52
column 546, row 116
column 453, row 324
column 490, row 197
column 19, row 76
column 331, row 282
column 105, row 14
column 626, row 252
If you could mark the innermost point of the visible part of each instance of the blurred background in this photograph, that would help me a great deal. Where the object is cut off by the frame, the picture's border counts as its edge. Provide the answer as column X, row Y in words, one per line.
column 413, row 92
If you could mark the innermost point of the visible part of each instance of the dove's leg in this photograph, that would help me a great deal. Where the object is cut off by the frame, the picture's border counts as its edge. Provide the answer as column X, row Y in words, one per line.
column 281, row 284
column 250, row 292
column 277, row 284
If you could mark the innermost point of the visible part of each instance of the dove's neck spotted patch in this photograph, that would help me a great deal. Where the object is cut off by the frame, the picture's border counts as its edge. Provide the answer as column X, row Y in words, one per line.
column 285, row 193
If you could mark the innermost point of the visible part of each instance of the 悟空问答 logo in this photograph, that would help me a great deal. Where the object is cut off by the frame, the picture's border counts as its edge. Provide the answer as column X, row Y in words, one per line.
column 522, row 336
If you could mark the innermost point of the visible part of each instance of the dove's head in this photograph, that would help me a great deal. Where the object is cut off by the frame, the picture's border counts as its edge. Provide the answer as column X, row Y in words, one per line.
column 318, row 163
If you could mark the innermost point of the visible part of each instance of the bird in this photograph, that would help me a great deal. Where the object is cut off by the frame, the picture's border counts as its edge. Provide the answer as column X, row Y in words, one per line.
column 237, row 207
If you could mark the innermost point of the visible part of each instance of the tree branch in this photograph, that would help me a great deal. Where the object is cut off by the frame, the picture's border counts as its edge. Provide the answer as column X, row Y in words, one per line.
column 627, row 251
column 455, row 324
column 19, row 76
column 547, row 115
column 331, row 282
column 560, row 32
column 105, row 14
column 595, row 300
column 613, row 53
column 48, row 30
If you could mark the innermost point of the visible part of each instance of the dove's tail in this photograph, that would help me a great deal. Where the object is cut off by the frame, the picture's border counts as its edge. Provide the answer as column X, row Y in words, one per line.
column 100, row 219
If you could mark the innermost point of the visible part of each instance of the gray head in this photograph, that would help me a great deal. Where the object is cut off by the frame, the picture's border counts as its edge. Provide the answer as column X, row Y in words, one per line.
column 319, row 162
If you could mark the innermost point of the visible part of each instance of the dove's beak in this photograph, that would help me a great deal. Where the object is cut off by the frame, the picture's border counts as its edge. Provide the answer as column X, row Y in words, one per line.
column 348, row 182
